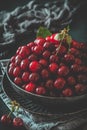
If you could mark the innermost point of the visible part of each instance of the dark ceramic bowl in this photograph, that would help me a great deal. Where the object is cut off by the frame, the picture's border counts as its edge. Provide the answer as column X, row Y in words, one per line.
column 49, row 101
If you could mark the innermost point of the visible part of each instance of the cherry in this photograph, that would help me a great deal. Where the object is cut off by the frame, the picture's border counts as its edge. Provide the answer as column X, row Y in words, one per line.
column 80, row 88
column 30, row 87
column 31, row 44
column 43, row 62
column 34, row 77
column 53, row 67
column 34, row 66
column 32, row 57
column 18, row 122
column 39, row 41
column 49, row 46
column 25, row 76
column 12, row 59
column 74, row 51
column 69, row 58
column 40, row 90
column 5, row 119
column 12, row 65
column 75, row 44
column 46, row 54
column 10, row 71
column 67, row 92
column 78, row 61
column 75, row 68
column 53, row 39
column 62, row 50
column 54, row 58
column 71, row 80
column 18, row 50
column 18, row 59
column 48, row 39
column 59, row 83
column 38, row 49
column 44, row 73
column 49, row 84
column 18, row 81
column 63, row 71
column 17, row 71
column 24, row 64
column 24, row 51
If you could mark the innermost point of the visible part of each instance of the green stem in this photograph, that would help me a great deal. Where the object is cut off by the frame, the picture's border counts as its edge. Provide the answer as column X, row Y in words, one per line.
column 9, row 113
column 58, row 48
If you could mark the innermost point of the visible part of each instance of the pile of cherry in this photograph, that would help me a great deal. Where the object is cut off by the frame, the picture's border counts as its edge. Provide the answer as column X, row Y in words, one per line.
column 7, row 120
column 50, row 67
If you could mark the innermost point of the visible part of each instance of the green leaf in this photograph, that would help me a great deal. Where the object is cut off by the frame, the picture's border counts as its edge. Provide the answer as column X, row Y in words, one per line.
column 43, row 32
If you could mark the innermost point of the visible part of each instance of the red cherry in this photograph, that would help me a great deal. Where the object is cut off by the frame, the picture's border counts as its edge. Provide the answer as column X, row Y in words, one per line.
column 12, row 65
column 34, row 66
column 30, row 87
column 39, row 41
column 18, row 122
column 34, row 77
column 62, row 50
column 24, row 64
column 24, row 52
column 31, row 44
column 75, row 68
column 49, row 46
column 53, row 38
column 48, row 39
column 74, row 51
column 38, row 49
column 43, row 62
column 67, row 92
column 80, row 88
column 78, row 61
column 63, row 71
column 18, row 59
column 18, row 50
column 10, row 71
column 25, row 76
column 12, row 59
column 59, row 83
column 49, row 84
column 40, row 90
column 46, row 54
column 18, row 81
column 54, row 58
column 53, row 67
column 69, row 58
column 32, row 57
column 17, row 71
column 71, row 80
column 75, row 44
column 44, row 73
column 5, row 119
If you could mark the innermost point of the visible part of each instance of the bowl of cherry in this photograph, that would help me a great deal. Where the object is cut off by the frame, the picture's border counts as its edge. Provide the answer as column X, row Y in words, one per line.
column 50, row 70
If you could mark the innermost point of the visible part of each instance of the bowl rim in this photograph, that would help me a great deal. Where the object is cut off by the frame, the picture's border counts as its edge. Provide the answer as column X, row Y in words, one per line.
column 43, row 96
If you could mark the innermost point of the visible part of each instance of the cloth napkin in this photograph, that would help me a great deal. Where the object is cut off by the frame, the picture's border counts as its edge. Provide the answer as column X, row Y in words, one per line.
column 38, row 122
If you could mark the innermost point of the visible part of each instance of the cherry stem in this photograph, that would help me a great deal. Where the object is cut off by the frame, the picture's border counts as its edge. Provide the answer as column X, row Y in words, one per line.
column 59, row 47
column 9, row 113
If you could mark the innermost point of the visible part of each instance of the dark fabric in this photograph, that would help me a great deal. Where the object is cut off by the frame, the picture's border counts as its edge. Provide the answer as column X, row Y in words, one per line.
column 19, row 21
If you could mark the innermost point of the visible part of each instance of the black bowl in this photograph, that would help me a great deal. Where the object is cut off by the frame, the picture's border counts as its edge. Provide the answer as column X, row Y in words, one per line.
column 66, row 102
